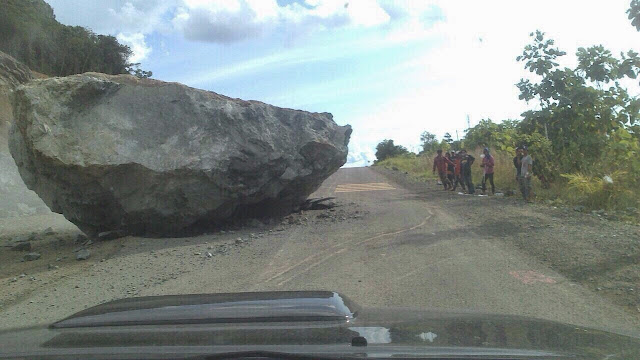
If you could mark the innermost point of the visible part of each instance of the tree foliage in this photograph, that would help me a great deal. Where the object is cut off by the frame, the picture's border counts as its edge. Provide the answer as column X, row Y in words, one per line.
column 634, row 13
column 30, row 33
column 429, row 142
column 386, row 149
column 580, row 108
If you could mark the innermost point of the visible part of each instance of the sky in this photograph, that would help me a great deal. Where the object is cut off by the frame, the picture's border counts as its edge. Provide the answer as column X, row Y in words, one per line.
column 389, row 68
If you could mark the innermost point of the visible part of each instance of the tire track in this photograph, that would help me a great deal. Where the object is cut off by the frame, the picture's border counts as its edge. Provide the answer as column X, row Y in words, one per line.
column 302, row 267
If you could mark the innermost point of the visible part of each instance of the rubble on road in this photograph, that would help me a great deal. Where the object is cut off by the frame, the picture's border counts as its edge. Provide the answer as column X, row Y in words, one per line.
column 83, row 254
column 24, row 246
column 32, row 256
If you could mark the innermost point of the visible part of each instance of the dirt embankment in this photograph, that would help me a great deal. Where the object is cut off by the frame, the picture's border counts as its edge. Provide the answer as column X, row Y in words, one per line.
column 600, row 254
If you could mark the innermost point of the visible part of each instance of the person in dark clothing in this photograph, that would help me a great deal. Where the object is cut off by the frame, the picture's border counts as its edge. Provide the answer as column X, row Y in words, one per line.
column 517, row 162
column 440, row 163
column 488, row 162
column 450, row 170
column 457, row 162
column 467, row 162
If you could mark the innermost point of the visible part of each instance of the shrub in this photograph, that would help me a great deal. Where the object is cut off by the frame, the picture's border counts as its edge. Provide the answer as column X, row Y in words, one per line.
column 596, row 192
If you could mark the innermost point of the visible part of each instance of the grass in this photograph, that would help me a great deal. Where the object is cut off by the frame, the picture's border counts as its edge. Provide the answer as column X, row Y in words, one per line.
column 592, row 193
column 418, row 167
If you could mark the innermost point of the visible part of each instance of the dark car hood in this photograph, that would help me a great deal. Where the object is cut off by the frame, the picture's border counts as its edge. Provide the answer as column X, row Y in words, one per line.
column 320, row 323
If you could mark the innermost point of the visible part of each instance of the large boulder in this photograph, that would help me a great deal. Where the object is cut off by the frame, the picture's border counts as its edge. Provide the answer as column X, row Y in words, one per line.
column 147, row 157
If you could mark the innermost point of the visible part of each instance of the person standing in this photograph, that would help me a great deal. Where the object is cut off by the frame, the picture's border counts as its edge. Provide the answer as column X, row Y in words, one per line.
column 517, row 163
column 440, row 163
column 450, row 170
column 488, row 163
column 525, row 174
column 457, row 171
column 467, row 162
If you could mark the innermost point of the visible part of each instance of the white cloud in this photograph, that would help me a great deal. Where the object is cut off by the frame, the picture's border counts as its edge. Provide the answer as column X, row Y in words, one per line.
column 115, row 16
column 471, row 69
column 359, row 155
column 234, row 20
column 137, row 44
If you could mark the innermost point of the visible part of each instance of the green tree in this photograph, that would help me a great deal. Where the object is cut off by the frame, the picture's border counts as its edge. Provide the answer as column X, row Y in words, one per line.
column 429, row 142
column 134, row 69
column 448, row 139
column 587, row 101
column 30, row 33
column 634, row 13
column 386, row 149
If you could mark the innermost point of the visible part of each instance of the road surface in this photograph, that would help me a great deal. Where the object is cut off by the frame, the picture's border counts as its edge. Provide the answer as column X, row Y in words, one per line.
column 383, row 246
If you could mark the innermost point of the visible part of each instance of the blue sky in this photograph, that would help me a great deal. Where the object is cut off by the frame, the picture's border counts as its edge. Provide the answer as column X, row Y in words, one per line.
column 391, row 69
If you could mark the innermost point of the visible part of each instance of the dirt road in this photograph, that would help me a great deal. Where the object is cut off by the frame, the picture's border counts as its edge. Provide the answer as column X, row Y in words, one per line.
column 388, row 243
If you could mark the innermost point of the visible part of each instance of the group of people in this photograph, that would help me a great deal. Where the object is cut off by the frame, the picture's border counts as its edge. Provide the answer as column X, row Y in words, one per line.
column 454, row 168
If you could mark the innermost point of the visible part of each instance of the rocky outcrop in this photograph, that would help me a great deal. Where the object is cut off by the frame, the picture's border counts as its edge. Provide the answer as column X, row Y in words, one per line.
column 141, row 156
column 13, row 73
column 15, row 198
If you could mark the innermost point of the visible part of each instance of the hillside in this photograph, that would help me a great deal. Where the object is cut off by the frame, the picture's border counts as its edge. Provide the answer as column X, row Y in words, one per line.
column 30, row 33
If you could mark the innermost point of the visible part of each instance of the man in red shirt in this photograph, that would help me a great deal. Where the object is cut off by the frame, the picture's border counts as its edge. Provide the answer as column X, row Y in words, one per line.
column 457, row 162
column 440, row 162
column 487, row 164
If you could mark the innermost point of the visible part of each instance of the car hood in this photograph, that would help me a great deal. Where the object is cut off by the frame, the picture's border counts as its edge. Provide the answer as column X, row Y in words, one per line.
column 319, row 323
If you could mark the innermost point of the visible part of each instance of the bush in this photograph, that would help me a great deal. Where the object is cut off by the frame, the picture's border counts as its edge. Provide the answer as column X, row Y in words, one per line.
column 607, row 192
column 386, row 149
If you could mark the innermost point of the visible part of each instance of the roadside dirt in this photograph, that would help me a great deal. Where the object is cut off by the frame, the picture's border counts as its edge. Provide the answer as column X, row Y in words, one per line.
column 599, row 254
column 132, row 264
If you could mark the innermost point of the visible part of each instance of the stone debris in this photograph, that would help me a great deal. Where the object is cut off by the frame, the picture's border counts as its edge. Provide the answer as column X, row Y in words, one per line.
column 24, row 246
column 83, row 254
column 32, row 256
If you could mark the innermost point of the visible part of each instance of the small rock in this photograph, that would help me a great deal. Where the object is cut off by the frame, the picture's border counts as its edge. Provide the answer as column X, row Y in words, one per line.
column 24, row 246
column 197, row 253
column 83, row 254
column 81, row 238
column 111, row 235
column 32, row 256
column 14, row 279
column 209, row 254
column 239, row 241
column 58, row 259
column 23, row 275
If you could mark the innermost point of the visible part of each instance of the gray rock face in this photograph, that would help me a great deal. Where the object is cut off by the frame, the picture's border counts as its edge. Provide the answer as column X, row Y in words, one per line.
column 16, row 199
column 13, row 73
column 143, row 156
